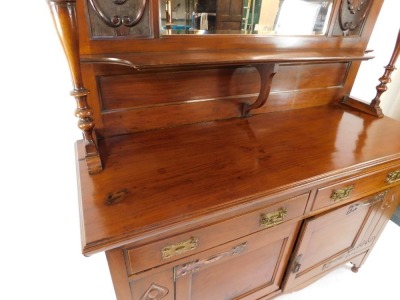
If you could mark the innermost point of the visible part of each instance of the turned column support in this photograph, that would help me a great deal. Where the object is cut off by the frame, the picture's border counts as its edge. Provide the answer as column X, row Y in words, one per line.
column 385, row 79
column 64, row 16
column 267, row 72
column 374, row 107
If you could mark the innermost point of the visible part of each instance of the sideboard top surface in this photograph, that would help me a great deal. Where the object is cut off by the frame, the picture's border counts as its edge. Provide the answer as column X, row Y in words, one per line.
column 159, row 179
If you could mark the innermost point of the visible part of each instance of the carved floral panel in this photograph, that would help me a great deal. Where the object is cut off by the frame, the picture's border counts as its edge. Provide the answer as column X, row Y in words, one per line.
column 351, row 17
column 110, row 18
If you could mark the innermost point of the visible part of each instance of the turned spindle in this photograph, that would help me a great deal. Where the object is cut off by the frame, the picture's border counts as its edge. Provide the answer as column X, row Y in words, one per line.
column 385, row 79
column 64, row 16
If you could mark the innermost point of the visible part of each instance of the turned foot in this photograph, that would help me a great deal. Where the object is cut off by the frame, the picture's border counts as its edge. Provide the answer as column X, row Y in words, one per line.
column 355, row 269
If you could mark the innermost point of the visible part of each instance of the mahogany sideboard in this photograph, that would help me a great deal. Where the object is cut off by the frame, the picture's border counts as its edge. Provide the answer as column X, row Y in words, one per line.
column 226, row 165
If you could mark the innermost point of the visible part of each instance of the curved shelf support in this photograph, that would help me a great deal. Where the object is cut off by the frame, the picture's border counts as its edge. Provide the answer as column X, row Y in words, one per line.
column 64, row 16
column 267, row 72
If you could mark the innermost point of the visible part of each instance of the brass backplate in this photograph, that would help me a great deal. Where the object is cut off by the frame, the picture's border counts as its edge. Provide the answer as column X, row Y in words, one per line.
column 342, row 193
column 179, row 248
column 393, row 176
column 273, row 218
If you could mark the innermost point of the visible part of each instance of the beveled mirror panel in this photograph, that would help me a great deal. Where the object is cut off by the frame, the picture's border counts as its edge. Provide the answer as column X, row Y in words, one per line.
column 265, row 17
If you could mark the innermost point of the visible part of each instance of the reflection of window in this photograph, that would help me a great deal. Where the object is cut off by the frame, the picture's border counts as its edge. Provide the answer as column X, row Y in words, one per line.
column 302, row 17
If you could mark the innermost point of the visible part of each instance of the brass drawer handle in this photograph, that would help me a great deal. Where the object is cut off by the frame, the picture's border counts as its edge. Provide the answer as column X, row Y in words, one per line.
column 273, row 218
column 338, row 195
column 371, row 201
column 179, row 248
column 193, row 266
column 393, row 176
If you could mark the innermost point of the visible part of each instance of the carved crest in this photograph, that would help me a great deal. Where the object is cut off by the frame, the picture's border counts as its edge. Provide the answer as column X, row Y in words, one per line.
column 131, row 18
column 355, row 5
column 352, row 15
column 119, row 18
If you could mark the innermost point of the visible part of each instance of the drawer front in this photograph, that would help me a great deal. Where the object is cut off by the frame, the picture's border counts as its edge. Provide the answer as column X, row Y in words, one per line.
column 179, row 246
column 354, row 188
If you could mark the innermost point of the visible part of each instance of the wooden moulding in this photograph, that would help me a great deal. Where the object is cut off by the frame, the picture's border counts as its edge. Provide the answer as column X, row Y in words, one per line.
column 374, row 107
column 265, row 61
column 163, row 61
column 64, row 15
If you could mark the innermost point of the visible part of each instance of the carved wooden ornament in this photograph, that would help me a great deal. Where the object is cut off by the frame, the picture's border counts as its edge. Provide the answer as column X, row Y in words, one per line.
column 119, row 17
column 155, row 292
column 352, row 14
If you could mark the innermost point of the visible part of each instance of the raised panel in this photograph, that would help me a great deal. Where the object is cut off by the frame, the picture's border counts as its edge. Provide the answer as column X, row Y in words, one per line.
column 248, row 268
column 129, row 18
column 136, row 101
column 156, row 287
column 151, row 89
column 309, row 76
column 334, row 237
column 148, row 89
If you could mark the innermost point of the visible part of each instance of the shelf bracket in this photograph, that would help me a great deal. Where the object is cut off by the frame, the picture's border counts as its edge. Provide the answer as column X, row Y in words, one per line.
column 267, row 72
column 65, row 19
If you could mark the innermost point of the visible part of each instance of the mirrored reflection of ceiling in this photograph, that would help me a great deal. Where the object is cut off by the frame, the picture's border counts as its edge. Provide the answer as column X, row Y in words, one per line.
column 265, row 17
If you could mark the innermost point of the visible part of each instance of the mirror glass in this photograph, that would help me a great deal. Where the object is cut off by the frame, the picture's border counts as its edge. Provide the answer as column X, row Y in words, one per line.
column 265, row 17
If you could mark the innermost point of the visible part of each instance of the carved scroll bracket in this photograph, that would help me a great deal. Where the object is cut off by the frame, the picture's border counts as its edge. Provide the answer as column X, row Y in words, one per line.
column 64, row 16
column 267, row 72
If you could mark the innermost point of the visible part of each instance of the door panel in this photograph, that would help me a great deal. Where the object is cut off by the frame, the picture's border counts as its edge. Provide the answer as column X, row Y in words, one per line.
column 335, row 236
column 247, row 268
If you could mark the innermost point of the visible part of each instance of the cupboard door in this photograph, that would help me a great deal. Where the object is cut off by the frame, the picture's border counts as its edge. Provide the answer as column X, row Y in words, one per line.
column 334, row 237
column 246, row 268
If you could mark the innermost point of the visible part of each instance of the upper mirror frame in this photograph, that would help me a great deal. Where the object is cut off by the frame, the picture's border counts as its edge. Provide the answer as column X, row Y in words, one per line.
column 245, row 17
column 140, row 20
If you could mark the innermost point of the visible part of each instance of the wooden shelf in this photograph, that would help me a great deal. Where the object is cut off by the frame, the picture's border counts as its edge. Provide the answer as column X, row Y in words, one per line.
column 157, row 180
column 196, row 59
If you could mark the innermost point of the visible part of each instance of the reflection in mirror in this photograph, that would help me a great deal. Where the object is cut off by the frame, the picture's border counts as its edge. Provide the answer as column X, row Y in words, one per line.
column 267, row 17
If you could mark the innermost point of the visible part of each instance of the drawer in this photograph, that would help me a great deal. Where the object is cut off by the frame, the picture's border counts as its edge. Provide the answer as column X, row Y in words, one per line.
column 355, row 187
column 182, row 245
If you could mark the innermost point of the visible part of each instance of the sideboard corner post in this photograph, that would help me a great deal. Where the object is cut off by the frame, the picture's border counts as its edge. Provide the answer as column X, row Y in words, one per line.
column 65, row 20
column 385, row 79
